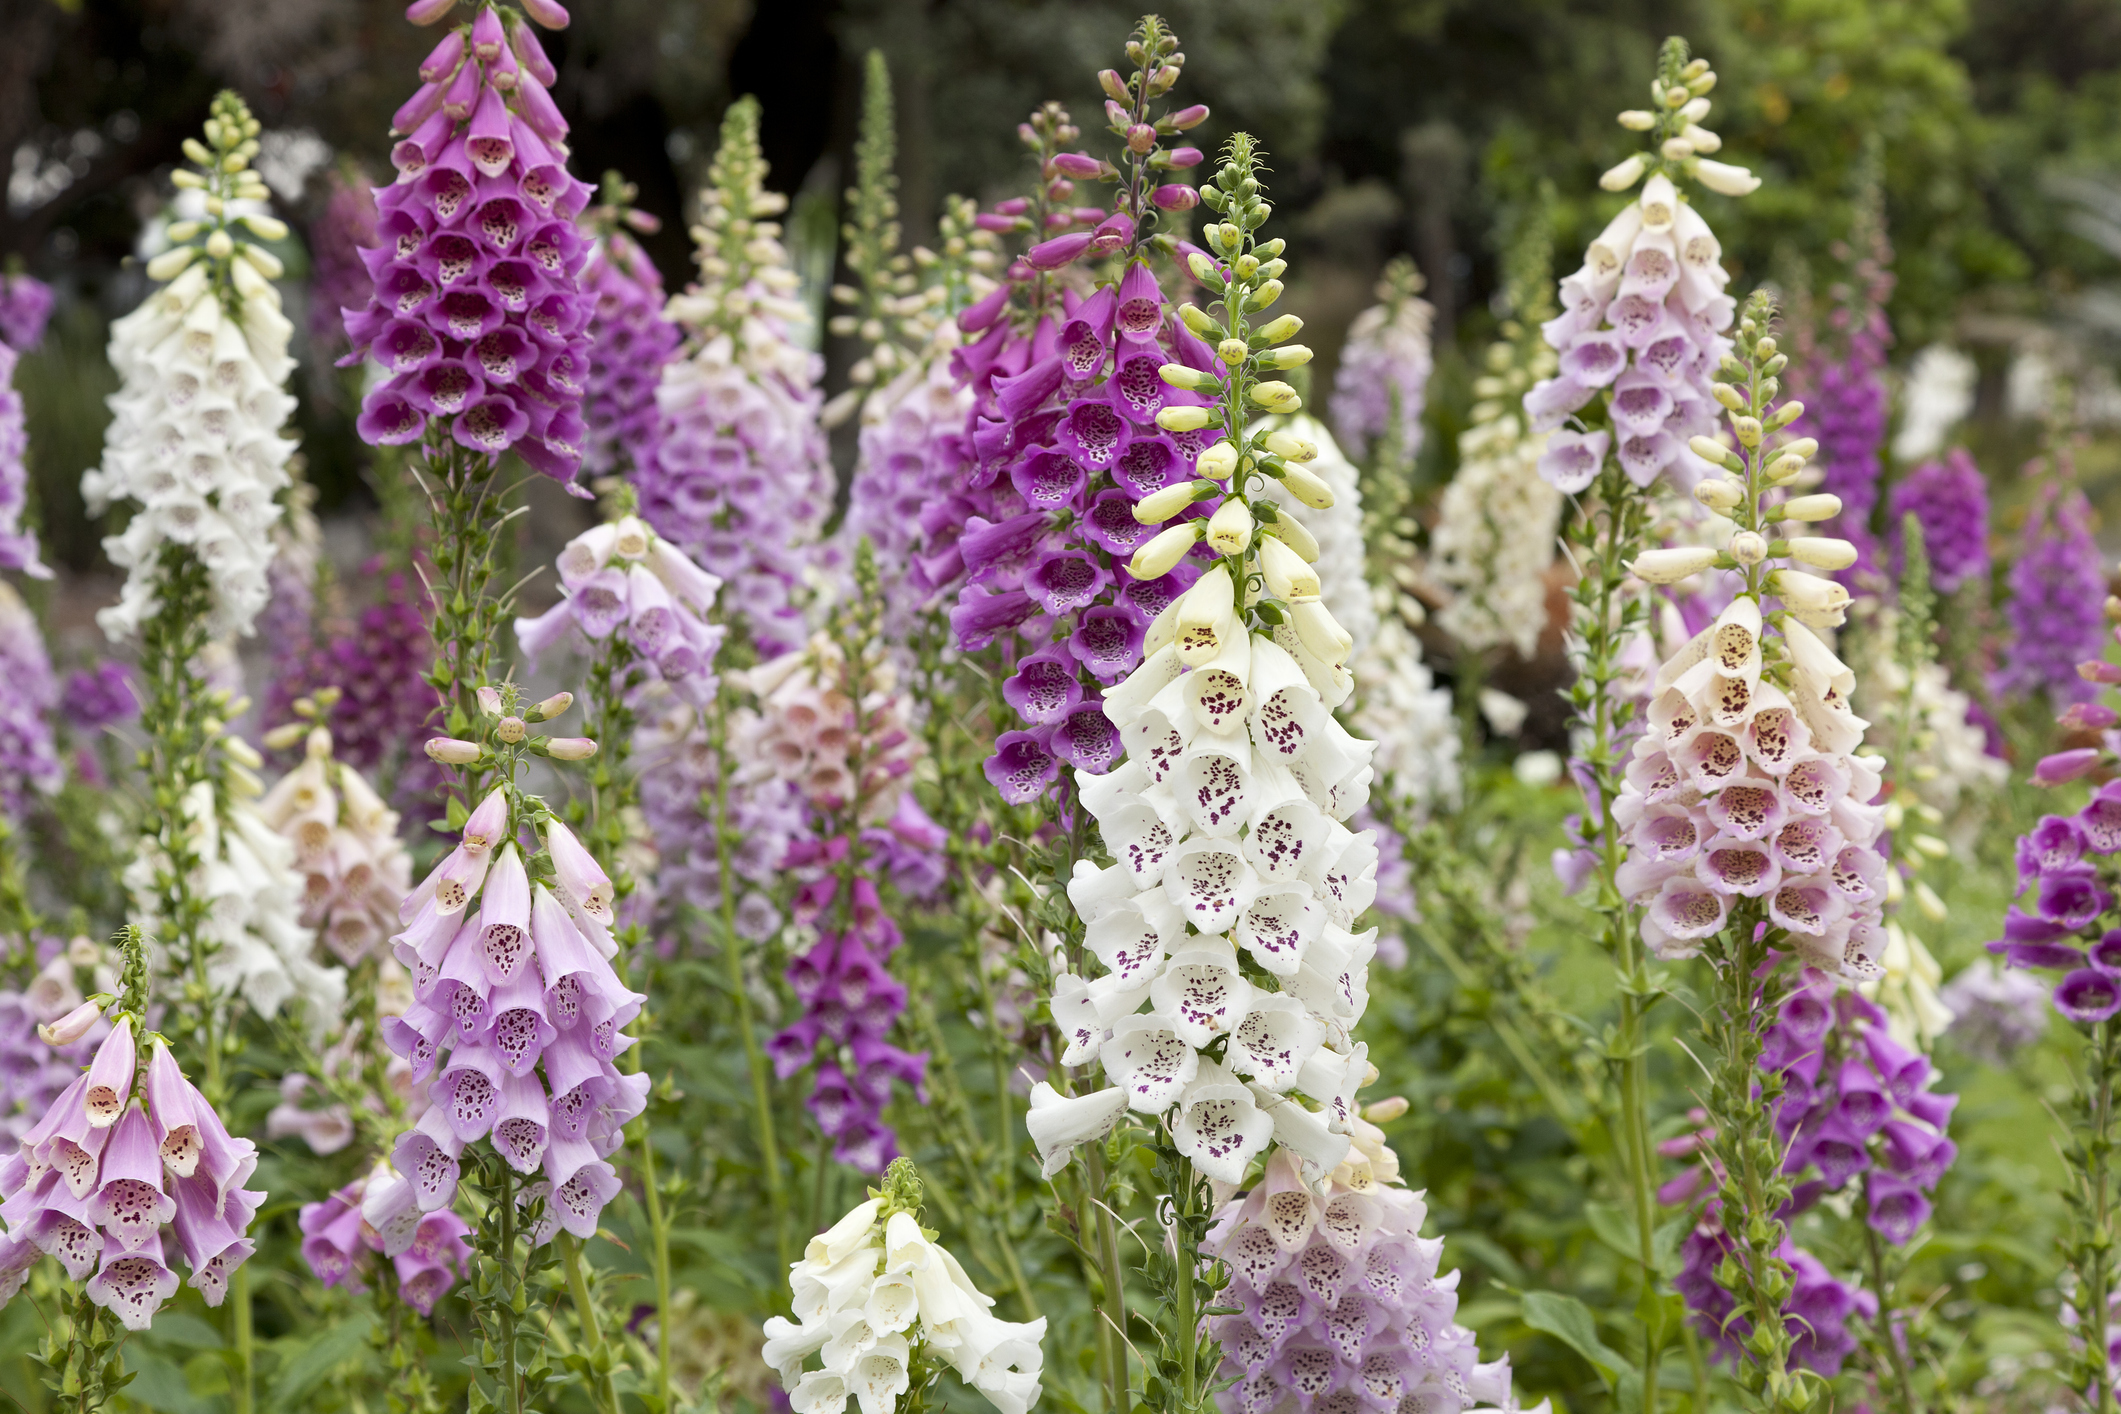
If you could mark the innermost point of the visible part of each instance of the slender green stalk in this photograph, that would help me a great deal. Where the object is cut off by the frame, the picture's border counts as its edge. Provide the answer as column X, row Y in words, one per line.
column 604, row 1392
column 246, row 1341
column 2091, row 1251
column 659, row 1260
column 511, row 1295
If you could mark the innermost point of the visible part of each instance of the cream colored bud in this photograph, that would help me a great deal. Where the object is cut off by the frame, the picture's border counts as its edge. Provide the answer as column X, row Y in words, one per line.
column 1290, row 447
column 220, row 245
column 1232, row 351
column 1212, row 599
column 1748, row 547
column 1217, row 462
column 1265, row 295
column 1932, row 907
column 1804, row 448
column 1307, row 486
column 263, row 261
column 511, row 729
column 1821, row 505
column 1163, row 550
column 1816, row 602
column 1624, row 175
column 1728, row 395
column 1191, row 379
column 1784, row 469
column 1159, row 506
column 280, row 738
column 451, row 751
column 1288, row 577
column 1747, row 430
column 1320, row 632
column 1824, row 552
column 1298, row 537
column 1702, row 139
column 1675, row 149
column 171, row 263
column 551, row 707
column 1197, row 319
column 571, row 748
column 266, row 228
column 1671, row 566
column 1184, row 419
column 1718, row 493
column 1275, row 397
column 1230, row 528
column 1638, row 120
column 1286, row 327
column 242, row 752
column 1289, row 356
column 1386, row 1110
column 1715, row 453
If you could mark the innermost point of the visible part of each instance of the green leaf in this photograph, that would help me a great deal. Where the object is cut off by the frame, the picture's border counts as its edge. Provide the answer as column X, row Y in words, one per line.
column 1614, row 1227
column 176, row 1328
column 326, row 1353
column 156, row 1383
column 1570, row 1322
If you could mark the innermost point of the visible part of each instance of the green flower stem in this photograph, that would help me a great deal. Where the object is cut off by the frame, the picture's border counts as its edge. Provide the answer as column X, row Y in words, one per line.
column 246, row 1341
column 1901, row 1385
column 2091, row 1254
column 464, row 501
column 659, row 1261
column 511, row 1293
column 603, row 1390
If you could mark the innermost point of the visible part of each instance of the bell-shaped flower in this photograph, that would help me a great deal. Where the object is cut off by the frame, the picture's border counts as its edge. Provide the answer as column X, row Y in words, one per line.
column 1213, row 783
column 130, row 1205
column 1278, row 925
column 1150, row 1061
column 1058, row 1123
column 1274, row 1042
column 132, row 1283
column 1209, row 882
column 1219, row 1126
column 110, row 1076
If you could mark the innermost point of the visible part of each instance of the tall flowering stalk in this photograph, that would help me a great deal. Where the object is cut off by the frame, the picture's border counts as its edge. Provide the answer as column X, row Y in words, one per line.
column 1640, row 338
column 195, row 442
column 741, row 480
column 2056, row 586
column 1494, row 529
column 1229, row 910
column 127, row 1156
column 25, row 305
column 1381, row 387
column 516, row 1015
column 2067, row 921
column 1747, row 816
column 629, row 339
column 831, row 721
column 477, row 314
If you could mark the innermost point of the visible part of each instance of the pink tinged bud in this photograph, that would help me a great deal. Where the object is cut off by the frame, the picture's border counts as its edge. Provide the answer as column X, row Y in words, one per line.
column 489, row 700
column 424, row 104
column 1014, row 206
column 1061, row 250
column 462, row 95
column 1193, row 117
column 981, row 315
column 1141, row 138
column 427, row 12
column 999, row 224
column 549, row 13
column 172, row 1107
column 130, row 1204
column 1112, row 233
column 538, row 110
column 570, row 748
column 110, row 1076
column 488, row 142
column 1087, row 215
column 132, row 1285
column 1175, row 196
column 2065, row 766
column 452, row 751
column 529, row 53
column 442, row 63
column 1074, row 164
column 486, row 37
column 582, row 882
column 2087, row 717
column 427, row 1155
column 504, row 943
column 1184, row 157
column 72, row 1026
column 2099, row 670
column 487, row 822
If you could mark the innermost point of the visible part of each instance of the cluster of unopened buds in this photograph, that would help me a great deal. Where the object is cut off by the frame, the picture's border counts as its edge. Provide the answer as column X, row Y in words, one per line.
column 512, row 728
column 621, row 578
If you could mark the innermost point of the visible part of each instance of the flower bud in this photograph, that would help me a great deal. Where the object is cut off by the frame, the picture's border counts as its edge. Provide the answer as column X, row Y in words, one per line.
column 1817, row 603
column 551, row 707
column 1623, row 176
column 1267, row 292
column 1307, row 486
column 1114, row 86
column 1163, row 550
column 1298, row 537
column 1288, row 356
column 1159, row 506
column 570, row 748
column 1701, row 138
column 1728, row 395
column 2065, row 766
column 1748, row 547
column 267, row 228
column 489, row 701
column 1188, row 118
column 1718, row 493
column 171, row 263
column 1288, row 326
column 1724, row 178
column 1821, row 505
column 1715, row 453
column 427, row 12
column 1783, row 416
column 1822, row 551
column 1230, row 528
column 452, row 751
column 72, row 1026
column 1232, row 351
column 1784, row 469
column 1275, row 397
column 1205, row 271
column 1191, row 379
column 282, row 737
column 1747, row 430
column 1198, row 320
column 1320, row 632
column 1175, row 196
column 1217, row 462
column 1671, row 566
column 1675, row 149
column 1288, row 578
column 549, row 13
column 511, row 730
column 1184, row 419
column 1290, row 447
column 1638, row 120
